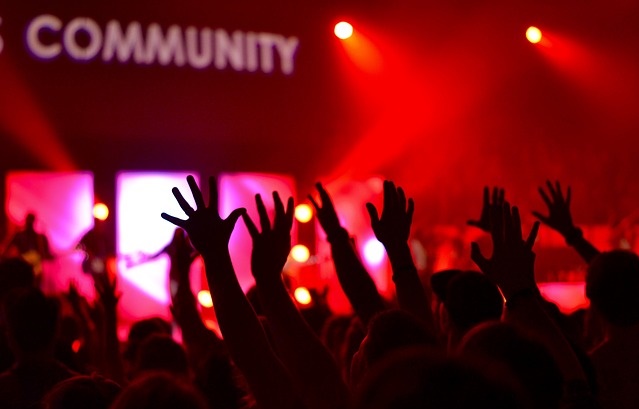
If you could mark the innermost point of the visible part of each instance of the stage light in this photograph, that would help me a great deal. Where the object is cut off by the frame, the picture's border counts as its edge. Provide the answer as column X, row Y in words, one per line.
column 303, row 213
column 300, row 253
column 100, row 211
column 343, row 30
column 533, row 34
column 76, row 345
column 374, row 252
column 204, row 297
column 302, row 295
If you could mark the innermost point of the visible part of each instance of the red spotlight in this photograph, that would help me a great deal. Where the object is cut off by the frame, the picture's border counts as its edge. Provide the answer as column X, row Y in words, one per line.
column 533, row 34
column 302, row 295
column 343, row 30
column 100, row 211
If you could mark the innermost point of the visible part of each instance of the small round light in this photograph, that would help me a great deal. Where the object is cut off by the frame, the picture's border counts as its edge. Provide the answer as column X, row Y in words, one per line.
column 533, row 34
column 302, row 295
column 100, row 211
column 300, row 253
column 303, row 213
column 204, row 297
column 343, row 30
column 374, row 252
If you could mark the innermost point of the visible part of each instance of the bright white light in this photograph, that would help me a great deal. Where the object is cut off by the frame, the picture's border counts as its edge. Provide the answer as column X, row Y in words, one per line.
column 303, row 213
column 300, row 253
column 374, row 252
column 204, row 297
column 302, row 295
column 533, row 34
column 343, row 30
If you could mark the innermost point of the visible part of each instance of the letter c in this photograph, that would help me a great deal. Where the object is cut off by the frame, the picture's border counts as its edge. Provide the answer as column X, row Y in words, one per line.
column 38, row 24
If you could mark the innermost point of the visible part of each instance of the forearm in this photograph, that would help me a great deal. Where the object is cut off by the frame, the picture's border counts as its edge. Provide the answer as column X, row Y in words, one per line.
column 301, row 351
column 410, row 291
column 355, row 281
column 245, row 337
column 112, row 358
column 575, row 239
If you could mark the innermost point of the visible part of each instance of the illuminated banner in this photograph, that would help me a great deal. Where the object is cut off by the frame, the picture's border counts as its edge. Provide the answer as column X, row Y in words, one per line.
column 82, row 39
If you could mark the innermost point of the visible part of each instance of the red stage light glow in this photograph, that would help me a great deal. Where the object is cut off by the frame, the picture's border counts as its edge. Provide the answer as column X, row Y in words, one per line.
column 533, row 34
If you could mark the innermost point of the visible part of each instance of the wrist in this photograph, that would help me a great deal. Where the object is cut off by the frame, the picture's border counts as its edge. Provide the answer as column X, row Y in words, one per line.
column 573, row 235
column 337, row 234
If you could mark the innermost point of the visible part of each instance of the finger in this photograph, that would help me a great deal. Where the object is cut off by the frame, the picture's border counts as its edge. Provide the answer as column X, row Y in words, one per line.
column 568, row 196
column 401, row 196
column 496, row 225
column 250, row 226
column 532, row 236
column 545, row 197
column 372, row 212
column 486, row 196
column 410, row 211
column 197, row 193
column 560, row 194
column 265, row 223
column 478, row 258
column 495, row 195
column 235, row 214
column 390, row 197
column 541, row 217
column 517, row 224
column 509, row 231
column 551, row 189
column 502, row 196
column 326, row 199
column 173, row 219
column 186, row 207
column 278, row 205
column 290, row 212
column 213, row 195
column 314, row 203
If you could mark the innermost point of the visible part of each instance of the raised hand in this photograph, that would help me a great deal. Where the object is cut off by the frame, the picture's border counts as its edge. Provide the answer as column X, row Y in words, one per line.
column 483, row 222
column 207, row 230
column 181, row 253
column 272, row 245
column 559, row 217
column 393, row 227
column 106, row 288
column 512, row 264
column 326, row 214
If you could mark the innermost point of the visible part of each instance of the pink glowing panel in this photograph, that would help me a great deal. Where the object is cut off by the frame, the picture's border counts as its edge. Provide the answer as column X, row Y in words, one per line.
column 141, row 198
column 63, row 205
column 569, row 296
column 239, row 190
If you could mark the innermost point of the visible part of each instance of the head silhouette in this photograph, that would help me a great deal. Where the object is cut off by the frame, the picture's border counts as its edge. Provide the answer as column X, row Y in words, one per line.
column 612, row 285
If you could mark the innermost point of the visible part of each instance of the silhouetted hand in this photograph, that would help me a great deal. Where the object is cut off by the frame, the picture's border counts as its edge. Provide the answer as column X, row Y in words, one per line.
column 106, row 288
column 559, row 217
column 272, row 245
column 484, row 219
column 206, row 229
column 326, row 214
column 397, row 215
column 512, row 264
column 181, row 253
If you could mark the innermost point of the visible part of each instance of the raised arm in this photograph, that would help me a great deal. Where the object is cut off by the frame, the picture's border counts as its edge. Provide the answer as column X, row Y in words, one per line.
column 357, row 284
column 511, row 267
column 304, row 355
column 243, row 333
column 108, row 297
column 560, row 219
column 197, row 338
column 392, row 230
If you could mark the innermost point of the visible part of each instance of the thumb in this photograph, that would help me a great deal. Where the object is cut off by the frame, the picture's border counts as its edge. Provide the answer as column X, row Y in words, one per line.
column 478, row 258
column 235, row 215
column 372, row 212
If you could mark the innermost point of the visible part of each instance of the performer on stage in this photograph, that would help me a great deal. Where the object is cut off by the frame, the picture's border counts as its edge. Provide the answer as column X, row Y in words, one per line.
column 99, row 248
column 32, row 246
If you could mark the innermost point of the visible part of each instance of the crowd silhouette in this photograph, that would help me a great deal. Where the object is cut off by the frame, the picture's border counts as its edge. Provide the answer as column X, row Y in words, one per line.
column 457, row 339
